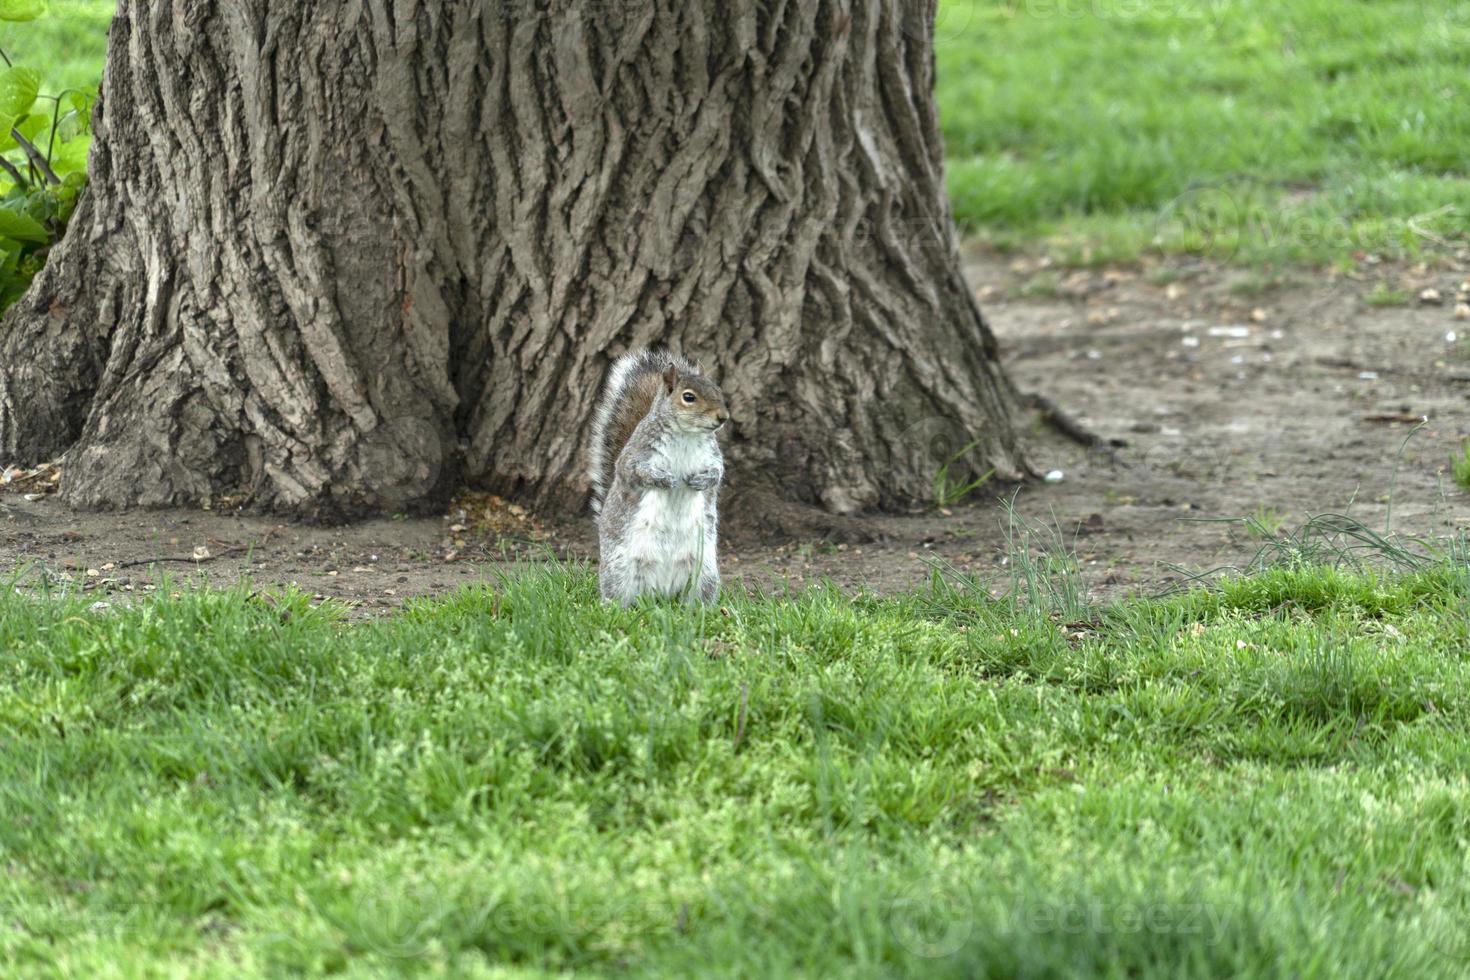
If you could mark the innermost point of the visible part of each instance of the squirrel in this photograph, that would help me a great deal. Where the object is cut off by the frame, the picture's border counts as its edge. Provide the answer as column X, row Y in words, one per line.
column 655, row 468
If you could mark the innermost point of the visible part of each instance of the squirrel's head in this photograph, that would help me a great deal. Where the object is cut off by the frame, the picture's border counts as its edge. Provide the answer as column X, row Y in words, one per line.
column 699, row 406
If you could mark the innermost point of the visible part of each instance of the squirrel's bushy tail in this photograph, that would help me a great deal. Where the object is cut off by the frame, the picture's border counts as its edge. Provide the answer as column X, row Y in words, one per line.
column 632, row 385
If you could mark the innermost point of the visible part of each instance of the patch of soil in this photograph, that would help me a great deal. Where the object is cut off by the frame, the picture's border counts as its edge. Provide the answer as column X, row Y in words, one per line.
column 1236, row 395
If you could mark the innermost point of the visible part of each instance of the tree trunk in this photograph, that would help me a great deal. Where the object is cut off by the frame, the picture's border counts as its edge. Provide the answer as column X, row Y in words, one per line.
column 342, row 256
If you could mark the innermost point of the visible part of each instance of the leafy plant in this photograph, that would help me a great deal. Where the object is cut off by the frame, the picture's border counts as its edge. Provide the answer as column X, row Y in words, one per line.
column 43, row 161
column 1383, row 295
column 1264, row 523
column 949, row 490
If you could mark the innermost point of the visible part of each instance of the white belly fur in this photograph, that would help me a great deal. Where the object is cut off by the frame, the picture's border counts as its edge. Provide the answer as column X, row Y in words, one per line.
column 670, row 543
column 668, row 531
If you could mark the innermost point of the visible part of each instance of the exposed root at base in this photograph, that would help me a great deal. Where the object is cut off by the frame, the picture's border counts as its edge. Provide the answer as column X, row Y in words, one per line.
column 1054, row 416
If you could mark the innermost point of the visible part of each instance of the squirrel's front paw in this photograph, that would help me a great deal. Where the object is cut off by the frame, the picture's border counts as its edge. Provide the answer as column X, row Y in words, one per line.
column 655, row 477
column 704, row 480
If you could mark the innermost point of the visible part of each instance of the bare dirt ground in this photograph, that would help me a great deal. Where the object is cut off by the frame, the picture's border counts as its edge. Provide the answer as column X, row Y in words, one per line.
column 1237, row 394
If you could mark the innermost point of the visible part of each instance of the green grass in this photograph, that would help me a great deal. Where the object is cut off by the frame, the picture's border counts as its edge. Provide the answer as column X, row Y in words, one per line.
column 1267, row 779
column 1385, row 295
column 1460, row 467
column 1264, row 523
column 1261, row 130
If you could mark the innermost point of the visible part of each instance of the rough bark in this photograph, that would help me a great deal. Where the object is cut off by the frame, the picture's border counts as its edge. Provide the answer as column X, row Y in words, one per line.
column 341, row 256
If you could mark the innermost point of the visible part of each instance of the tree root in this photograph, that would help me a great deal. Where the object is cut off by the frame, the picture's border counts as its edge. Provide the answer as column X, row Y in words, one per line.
column 183, row 559
column 1058, row 419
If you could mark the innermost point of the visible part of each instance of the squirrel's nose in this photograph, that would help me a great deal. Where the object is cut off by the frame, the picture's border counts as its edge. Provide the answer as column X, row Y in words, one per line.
column 722, row 417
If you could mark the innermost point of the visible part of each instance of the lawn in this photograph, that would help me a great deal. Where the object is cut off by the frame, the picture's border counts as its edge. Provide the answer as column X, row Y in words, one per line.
column 1253, row 130
column 1263, row 778
column 1267, row 779
column 1264, row 130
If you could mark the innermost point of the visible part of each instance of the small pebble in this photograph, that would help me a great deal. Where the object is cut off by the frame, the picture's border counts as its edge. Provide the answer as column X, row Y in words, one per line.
column 1430, row 296
column 1055, row 476
column 1462, row 311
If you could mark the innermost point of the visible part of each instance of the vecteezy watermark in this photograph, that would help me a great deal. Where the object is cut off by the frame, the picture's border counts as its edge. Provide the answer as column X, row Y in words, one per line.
column 1201, row 461
column 1097, row 918
column 1448, row 927
column 948, row 20
column 393, row 924
column 1207, row 219
column 920, row 242
column 1451, row 940
column 938, row 440
column 1217, row 219
column 931, row 919
column 934, row 919
column 947, row 451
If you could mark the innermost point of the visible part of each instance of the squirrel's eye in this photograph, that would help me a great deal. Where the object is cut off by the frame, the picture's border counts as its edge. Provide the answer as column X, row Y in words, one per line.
column 688, row 398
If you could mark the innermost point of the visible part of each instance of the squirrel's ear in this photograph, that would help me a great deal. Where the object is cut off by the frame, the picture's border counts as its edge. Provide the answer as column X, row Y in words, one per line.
column 671, row 378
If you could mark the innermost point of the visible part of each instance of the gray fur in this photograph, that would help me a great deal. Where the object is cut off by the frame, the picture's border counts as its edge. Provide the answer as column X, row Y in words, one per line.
column 627, row 397
column 658, row 504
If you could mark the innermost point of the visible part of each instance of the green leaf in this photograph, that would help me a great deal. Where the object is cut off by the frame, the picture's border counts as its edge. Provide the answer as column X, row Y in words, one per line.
column 18, row 89
column 69, row 127
column 22, row 227
column 12, row 287
column 21, row 9
column 82, row 100
column 31, row 126
column 71, row 155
